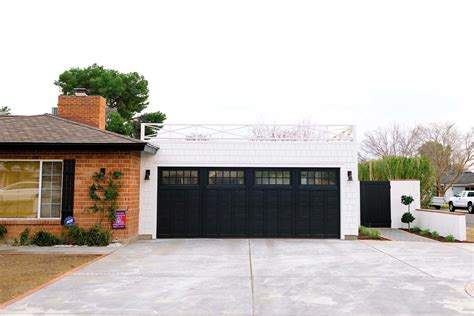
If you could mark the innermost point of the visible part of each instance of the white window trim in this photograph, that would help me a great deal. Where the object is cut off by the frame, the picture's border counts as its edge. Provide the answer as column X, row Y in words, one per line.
column 38, row 207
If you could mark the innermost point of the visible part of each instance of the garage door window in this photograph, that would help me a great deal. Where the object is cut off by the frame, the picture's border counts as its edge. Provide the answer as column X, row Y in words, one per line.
column 319, row 177
column 179, row 177
column 272, row 177
column 226, row 177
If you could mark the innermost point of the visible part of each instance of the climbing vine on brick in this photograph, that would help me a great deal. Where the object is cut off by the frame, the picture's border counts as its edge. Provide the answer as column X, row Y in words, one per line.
column 105, row 192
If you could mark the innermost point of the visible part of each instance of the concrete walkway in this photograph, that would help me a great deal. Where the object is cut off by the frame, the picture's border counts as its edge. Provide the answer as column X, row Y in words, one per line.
column 400, row 235
column 470, row 220
column 265, row 277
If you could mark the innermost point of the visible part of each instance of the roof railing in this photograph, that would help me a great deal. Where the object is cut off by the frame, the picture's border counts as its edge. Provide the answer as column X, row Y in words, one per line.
column 245, row 132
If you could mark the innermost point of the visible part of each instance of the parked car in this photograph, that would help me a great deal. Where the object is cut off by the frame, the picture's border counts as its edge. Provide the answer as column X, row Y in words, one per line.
column 438, row 202
column 463, row 200
column 20, row 191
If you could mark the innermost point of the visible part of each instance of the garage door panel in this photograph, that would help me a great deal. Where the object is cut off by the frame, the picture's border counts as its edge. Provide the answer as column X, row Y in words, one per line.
column 179, row 215
column 225, row 213
column 332, row 214
column 257, row 211
column 285, row 213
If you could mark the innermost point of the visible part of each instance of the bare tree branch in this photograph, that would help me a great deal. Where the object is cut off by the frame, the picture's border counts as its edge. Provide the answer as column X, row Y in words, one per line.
column 393, row 140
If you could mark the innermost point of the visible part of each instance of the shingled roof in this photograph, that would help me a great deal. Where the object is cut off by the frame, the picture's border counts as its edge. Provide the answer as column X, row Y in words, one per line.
column 466, row 178
column 47, row 131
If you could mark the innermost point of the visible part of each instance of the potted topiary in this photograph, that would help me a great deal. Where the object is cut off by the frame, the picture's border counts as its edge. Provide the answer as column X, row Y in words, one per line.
column 407, row 217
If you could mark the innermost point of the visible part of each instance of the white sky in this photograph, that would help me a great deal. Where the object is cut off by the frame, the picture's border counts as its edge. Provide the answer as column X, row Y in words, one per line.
column 349, row 62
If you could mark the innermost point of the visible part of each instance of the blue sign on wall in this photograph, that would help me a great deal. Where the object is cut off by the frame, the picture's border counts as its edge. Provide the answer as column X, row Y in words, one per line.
column 69, row 221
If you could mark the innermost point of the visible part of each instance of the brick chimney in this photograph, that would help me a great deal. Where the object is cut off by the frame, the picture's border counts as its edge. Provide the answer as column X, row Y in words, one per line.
column 83, row 108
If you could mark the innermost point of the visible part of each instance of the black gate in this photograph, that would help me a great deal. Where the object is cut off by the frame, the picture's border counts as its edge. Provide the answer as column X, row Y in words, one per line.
column 248, row 202
column 375, row 203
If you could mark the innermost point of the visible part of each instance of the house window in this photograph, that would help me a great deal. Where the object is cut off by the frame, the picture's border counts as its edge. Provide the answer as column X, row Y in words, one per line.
column 179, row 177
column 320, row 177
column 226, row 177
column 51, row 189
column 272, row 177
column 30, row 189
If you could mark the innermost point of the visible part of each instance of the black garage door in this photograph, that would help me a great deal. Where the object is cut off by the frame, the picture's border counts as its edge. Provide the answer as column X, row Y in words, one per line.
column 248, row 202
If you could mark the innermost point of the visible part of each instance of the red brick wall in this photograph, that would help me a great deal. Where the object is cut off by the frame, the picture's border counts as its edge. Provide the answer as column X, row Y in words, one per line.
column 88, row 110
column 87, row 163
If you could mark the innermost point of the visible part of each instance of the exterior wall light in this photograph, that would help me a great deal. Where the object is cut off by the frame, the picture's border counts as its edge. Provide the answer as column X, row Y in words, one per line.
column 102, row 172
column 349, row 175
column 147, row 174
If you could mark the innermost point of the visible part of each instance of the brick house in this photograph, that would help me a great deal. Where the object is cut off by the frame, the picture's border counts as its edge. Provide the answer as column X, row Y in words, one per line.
column 47, row 163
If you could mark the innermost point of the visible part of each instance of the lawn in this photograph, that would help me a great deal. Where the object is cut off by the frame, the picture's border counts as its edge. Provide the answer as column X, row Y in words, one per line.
column 19, row 273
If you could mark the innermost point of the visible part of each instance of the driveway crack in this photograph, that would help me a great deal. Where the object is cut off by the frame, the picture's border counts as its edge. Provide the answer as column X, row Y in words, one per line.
column 404, row 262
column 251, row 278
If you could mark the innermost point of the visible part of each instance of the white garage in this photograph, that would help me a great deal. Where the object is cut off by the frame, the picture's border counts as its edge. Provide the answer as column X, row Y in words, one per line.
column 221, row 181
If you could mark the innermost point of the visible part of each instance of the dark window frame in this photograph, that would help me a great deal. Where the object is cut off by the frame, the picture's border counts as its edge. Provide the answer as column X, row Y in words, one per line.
column 267, row 178
column 322, row 185
column 226, row 176
column 179, row 176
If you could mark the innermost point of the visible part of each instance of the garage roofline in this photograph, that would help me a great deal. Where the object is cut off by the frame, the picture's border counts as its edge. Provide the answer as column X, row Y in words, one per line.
column 248, row 132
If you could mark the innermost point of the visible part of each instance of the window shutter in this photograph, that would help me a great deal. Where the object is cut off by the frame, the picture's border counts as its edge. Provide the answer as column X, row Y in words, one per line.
column 68, row 189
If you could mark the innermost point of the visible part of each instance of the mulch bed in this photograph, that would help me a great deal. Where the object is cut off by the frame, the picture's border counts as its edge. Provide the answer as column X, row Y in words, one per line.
column 20, row 273
column 441, row 239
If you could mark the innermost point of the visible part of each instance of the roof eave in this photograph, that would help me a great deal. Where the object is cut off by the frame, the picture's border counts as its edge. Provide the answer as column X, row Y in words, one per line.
column 74, row 146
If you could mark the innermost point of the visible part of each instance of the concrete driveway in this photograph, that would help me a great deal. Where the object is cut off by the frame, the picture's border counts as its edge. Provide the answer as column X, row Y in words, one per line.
column 266, row 276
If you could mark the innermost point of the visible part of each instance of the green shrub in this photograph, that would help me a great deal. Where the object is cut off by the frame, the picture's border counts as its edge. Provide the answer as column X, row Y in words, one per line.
column 369, row 232
column 407, row 218
column 95, row 236
column 374, row 234
column 3, row 231
column 76, row 236
column 425, row 232
column 24, row 237
column 450, row 238
column 364, row 230
column 393, row 167
column 435, row 234
column 98, row 236
column 416, row 229
column 45, row 239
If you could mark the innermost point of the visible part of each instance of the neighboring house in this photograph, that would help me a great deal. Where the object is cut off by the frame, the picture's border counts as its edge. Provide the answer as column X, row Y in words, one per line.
column 47, row 163
column 465, row 182
column 250, row 181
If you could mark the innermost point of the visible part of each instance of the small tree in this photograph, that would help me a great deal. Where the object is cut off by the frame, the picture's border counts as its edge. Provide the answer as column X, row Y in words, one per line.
column 407, row 217
column 407, row 200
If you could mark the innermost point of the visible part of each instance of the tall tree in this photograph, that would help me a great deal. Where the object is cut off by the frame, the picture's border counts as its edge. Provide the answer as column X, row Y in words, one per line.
column 393, row 140
column 5, row 110
column 126, row 94
column 451, row 153
column 397, row 168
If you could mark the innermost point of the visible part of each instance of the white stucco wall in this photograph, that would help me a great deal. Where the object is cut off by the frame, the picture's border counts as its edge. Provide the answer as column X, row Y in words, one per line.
column 444, row 222
column 397, row 189
column 341, row 155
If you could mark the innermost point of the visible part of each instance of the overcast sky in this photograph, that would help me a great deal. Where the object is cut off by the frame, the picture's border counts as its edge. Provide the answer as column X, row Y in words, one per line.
column 349, row 62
